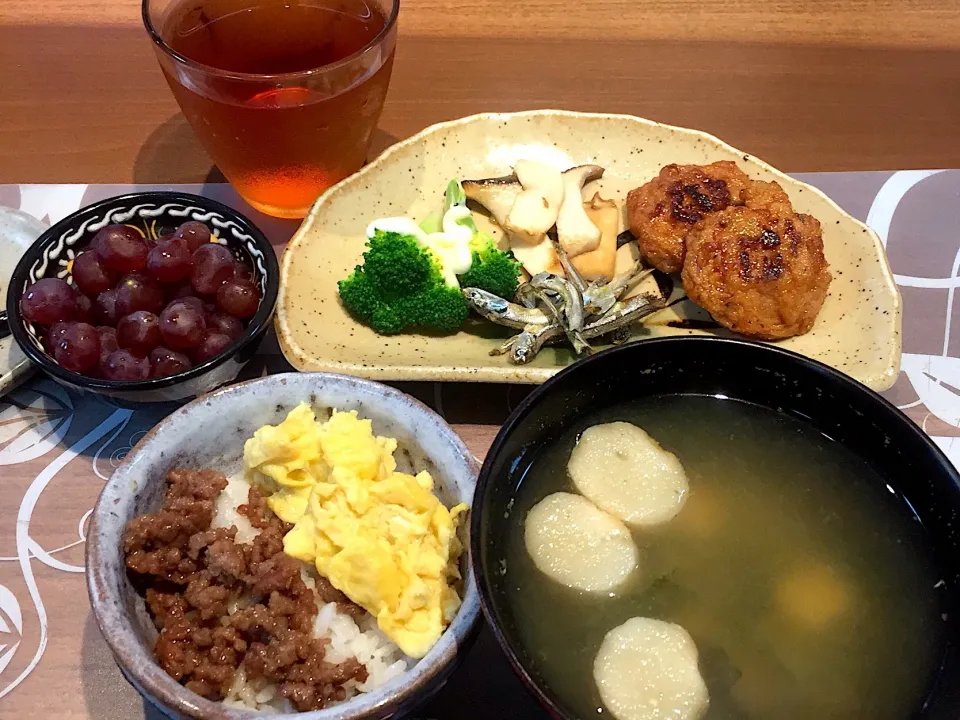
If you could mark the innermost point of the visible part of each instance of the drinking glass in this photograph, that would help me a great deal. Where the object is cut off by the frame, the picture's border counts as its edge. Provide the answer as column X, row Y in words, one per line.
column 283, row 94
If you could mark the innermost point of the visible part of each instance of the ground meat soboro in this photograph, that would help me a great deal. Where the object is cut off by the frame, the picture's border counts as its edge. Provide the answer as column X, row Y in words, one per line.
column 194, row 576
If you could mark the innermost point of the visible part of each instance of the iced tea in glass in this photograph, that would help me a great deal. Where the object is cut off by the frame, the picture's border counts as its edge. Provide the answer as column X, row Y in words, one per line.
column 283, row 94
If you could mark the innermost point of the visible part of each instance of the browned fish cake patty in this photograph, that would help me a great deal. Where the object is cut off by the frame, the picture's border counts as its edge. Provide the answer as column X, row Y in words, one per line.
column 662, row 212
column 758, row 271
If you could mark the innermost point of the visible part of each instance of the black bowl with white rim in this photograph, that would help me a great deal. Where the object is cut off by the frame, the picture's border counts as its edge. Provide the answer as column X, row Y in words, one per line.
column 157, row 213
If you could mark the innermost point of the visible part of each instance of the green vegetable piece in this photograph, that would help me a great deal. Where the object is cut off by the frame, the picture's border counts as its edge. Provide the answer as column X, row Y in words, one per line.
column 492, row 269
column 440, row 307
column 454, row 195
column 399, row 286
column 432, row 223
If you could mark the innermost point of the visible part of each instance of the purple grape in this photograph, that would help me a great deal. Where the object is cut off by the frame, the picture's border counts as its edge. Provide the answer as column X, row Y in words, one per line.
column 137, row 291
column 49, row 300
column 195, row 233
column 239, row 300
column 89, row 274
column 225, row 324
column 212, row 266
column 169, row 260
column 121, row 249
column 54, row 334
column 182, row 325
column 124, row 365
column 139, row 332
column 213, row 344
column 78, row 349
column 167, row 362
column 107, row 307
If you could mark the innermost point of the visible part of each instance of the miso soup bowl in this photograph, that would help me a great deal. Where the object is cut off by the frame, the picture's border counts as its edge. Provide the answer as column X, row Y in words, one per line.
column 210, row 433
column 838, row 406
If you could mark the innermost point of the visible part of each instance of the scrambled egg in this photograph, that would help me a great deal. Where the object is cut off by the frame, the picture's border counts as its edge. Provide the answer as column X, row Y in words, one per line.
column 379, row 536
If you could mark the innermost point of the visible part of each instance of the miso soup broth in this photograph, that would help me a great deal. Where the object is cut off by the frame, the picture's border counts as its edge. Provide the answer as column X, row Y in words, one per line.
column 804, row 581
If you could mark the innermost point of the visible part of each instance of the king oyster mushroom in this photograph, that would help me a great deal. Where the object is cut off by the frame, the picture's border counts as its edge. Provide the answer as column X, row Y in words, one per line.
column 536, row 207
column 601, row 262
column 576, row 233
column 496, row 194
column 499, row 195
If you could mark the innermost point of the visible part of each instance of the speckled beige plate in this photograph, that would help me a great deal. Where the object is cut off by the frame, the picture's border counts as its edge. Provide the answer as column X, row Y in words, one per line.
column 857, row 331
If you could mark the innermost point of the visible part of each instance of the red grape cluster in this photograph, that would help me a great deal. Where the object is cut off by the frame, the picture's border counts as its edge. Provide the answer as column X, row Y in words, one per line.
column 143, row 309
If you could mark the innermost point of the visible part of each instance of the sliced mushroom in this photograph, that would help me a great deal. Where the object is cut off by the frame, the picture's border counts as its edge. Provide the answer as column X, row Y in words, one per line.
column 576, row 233
column 497, row 195
column 600, row 263
column 538, row 258
column 536, row 208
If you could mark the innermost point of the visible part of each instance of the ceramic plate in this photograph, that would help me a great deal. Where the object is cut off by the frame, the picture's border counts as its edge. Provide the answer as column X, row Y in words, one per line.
column 857, row 330
column 18, row 230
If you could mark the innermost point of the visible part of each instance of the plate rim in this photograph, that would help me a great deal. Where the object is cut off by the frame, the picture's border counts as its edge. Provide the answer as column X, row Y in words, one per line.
column 524, row 374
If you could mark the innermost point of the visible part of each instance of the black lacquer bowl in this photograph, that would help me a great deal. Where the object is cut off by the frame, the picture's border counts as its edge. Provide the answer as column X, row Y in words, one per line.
column 156, row 212
column 838, row 406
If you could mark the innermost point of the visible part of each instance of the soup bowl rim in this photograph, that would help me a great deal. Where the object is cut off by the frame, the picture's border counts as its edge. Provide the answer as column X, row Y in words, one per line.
column 488, row 603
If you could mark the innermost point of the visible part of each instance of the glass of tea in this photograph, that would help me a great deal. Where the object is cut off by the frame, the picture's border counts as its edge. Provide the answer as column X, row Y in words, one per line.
column 284, row 94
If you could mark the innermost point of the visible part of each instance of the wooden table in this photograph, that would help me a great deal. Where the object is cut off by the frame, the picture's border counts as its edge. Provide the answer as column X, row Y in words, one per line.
column 827, row 85
column 805, row 84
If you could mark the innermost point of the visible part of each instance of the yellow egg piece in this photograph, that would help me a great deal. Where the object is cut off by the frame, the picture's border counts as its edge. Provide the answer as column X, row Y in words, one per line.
column 285, row 461
column 379, row 536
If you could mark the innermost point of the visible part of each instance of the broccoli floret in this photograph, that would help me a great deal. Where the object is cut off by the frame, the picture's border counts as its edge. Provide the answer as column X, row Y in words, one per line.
column 400, row 285
column 492, row 269
column 440, row 307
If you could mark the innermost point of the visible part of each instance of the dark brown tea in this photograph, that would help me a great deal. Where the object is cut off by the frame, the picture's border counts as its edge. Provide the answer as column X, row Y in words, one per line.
column 280, row 141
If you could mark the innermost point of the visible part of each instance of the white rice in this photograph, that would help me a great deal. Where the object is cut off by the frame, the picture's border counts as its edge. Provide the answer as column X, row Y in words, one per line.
column 365, row 642
column 230, row 498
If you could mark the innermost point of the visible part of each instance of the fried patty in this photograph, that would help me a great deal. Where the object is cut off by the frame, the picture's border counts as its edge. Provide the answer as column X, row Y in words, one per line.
column 758, row 271
column 663, row 212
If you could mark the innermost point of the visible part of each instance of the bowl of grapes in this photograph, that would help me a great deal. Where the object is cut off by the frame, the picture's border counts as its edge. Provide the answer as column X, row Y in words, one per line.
column 146, row 297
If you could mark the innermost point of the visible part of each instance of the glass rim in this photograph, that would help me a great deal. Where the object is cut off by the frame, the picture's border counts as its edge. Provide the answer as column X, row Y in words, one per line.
column 267, row 77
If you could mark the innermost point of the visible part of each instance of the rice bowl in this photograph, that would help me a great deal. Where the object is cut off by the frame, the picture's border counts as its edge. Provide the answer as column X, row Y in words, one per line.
column 210, row 433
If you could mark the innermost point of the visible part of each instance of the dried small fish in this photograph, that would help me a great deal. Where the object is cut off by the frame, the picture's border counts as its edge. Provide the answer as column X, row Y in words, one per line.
column 503, row 312
column 600, row 297
column 550, row 306
column 624, row 314
column 620, row 335
column 570, row 270
column 525, row 346
column 580, row 345
column 568, row 313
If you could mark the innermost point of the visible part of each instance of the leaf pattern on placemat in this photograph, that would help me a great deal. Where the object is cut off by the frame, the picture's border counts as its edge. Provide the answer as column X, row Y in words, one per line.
column 29, row 549
column 936, row 379
column 11, row 626
column 33, row 421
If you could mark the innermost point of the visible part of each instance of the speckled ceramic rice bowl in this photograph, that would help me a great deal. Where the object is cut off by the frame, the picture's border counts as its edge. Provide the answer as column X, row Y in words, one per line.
column 210, row 433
